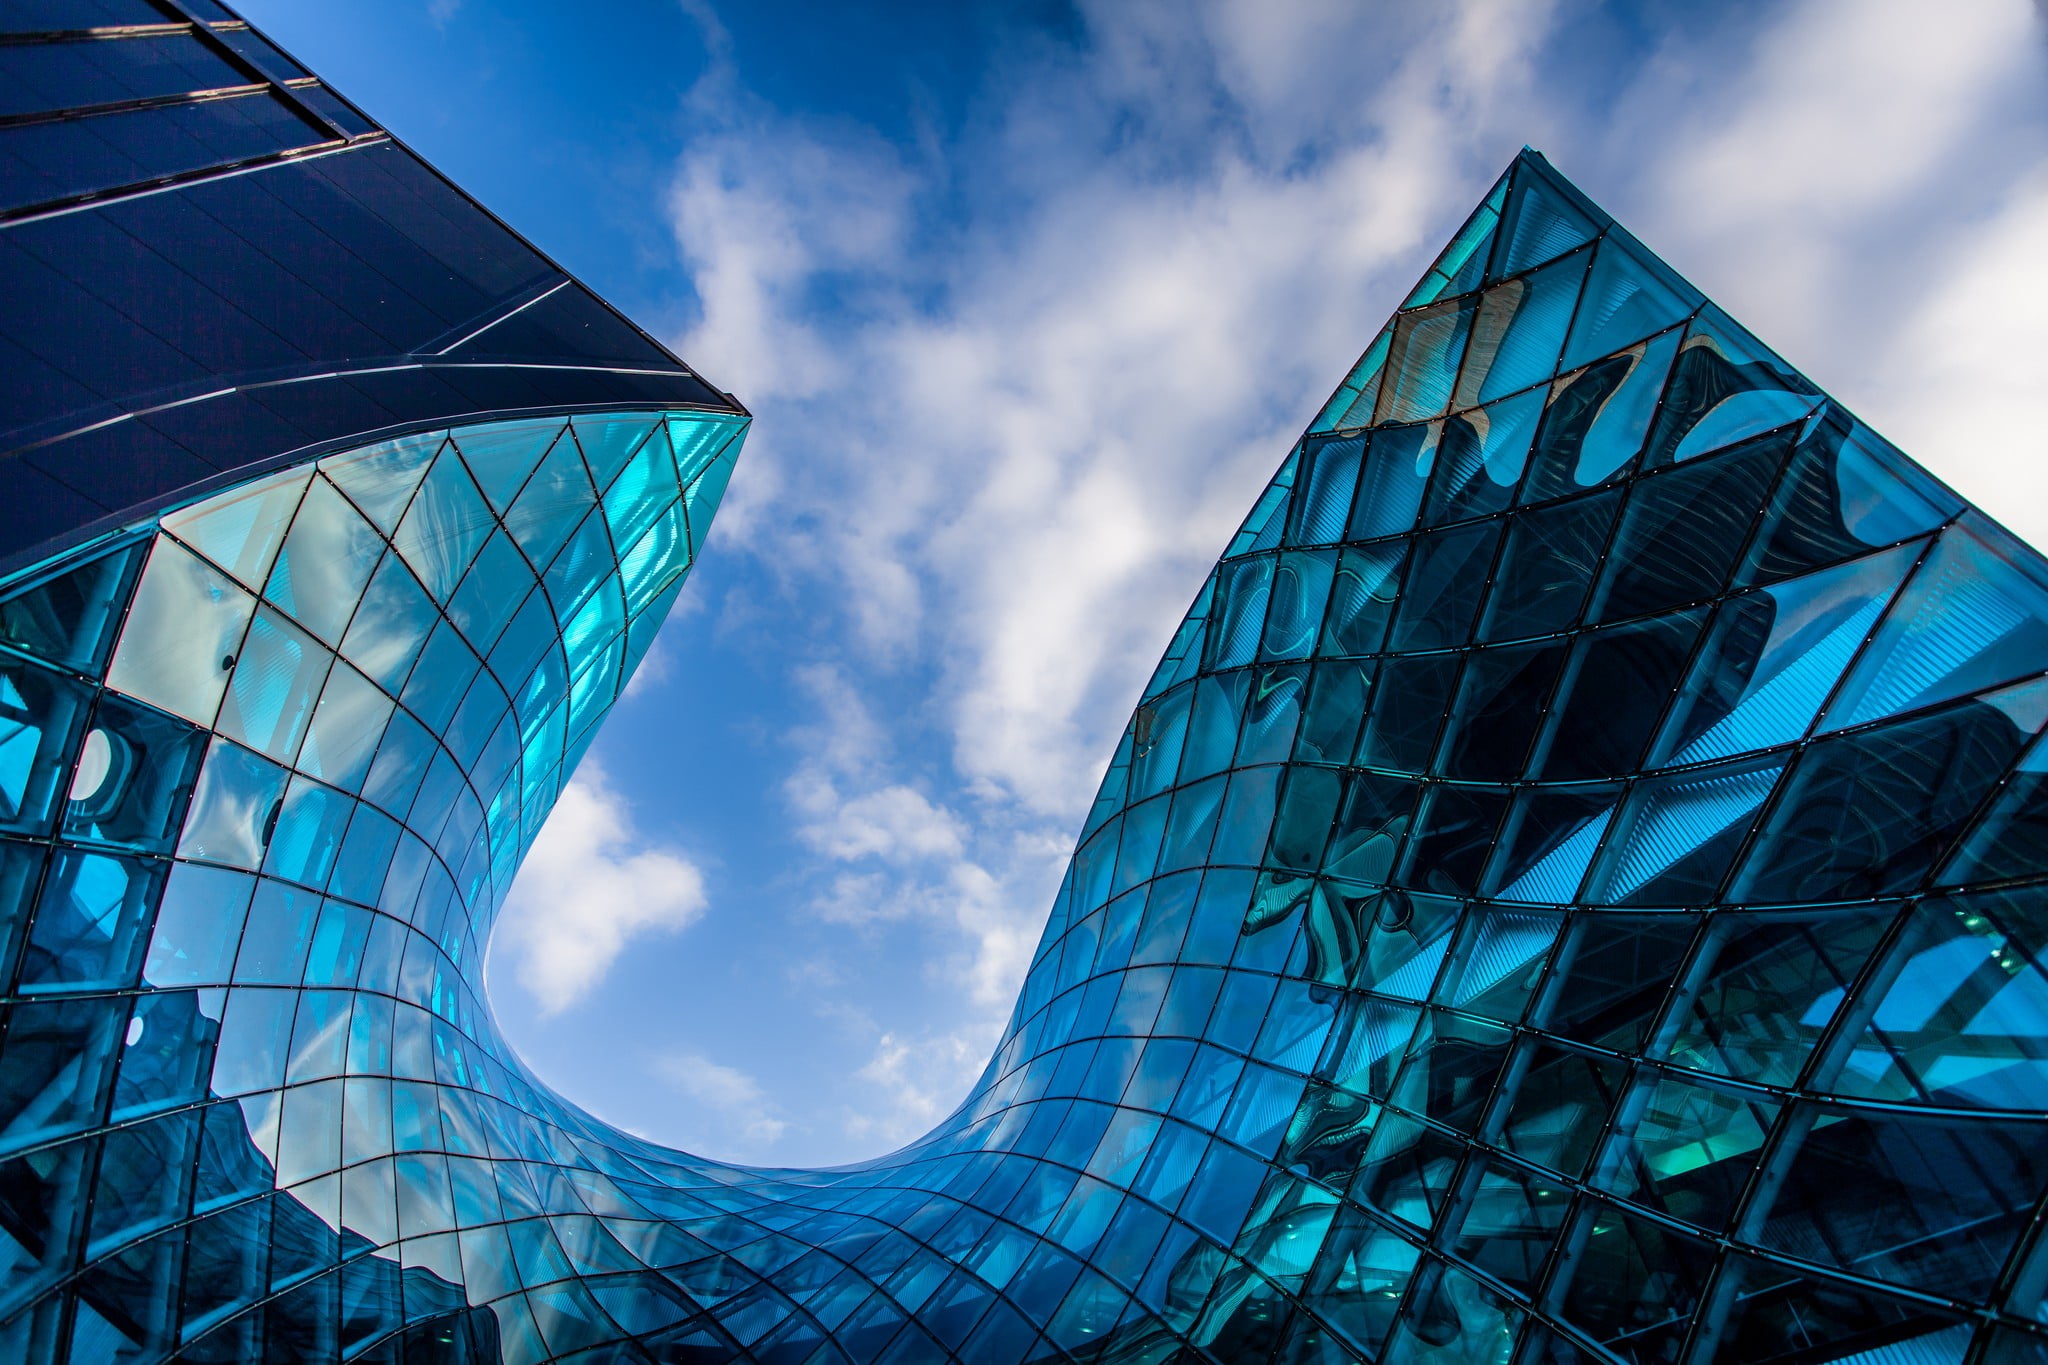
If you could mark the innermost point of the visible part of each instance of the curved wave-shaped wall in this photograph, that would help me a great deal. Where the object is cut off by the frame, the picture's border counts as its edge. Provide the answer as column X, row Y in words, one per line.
column 1570, row 889
column 1571, row 892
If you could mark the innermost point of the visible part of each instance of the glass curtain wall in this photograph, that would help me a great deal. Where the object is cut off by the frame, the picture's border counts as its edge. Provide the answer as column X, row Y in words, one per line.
column 1571, row 892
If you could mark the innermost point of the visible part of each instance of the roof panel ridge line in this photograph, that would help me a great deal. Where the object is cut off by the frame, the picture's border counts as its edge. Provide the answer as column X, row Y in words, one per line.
column 503, row 310
column 481, row 208
column 34, row 438
column 57, row 208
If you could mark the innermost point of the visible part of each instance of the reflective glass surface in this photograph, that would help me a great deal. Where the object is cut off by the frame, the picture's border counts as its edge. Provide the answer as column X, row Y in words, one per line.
column 1570, row 892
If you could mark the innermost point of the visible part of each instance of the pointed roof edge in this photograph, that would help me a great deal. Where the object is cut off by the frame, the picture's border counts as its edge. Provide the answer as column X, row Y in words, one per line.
column 1529, row 165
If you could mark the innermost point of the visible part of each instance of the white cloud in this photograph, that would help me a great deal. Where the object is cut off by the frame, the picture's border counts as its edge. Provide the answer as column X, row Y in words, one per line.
column 590, row 885
column 914, row 1083
column 733, row 1110
column 1965, row 374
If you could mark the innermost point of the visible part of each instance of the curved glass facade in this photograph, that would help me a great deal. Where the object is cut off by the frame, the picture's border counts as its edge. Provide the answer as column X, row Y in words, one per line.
column 1570, row 893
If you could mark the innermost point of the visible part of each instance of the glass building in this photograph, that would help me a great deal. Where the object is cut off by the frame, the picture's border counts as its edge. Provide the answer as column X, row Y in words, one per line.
column 1564, row 896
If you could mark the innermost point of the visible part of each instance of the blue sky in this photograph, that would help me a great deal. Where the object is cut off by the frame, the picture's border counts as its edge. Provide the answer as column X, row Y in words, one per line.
column 1029, row 299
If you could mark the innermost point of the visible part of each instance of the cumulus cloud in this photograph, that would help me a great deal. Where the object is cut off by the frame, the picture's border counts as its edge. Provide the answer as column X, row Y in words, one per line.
column 733, row 1111
column 590, row 885
column 913, row 1083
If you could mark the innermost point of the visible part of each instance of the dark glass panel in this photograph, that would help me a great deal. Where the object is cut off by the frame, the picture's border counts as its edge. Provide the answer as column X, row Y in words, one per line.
column 1452, row 1067
column 42, row 162
column 1368, row 828
column 1772, row 1315
column 1931, row 1202
column 1559, row 1106
column 1615, row 975
column 2010, row 838
column 1327, row 1136
column 1302, row 821
column 93, row 923
column 1408, row 1169
column 1594, row 422
column 1765, row 987
column 1335, row 712
column 1634, row 1285
column 1681, row 533
column 1687, row 1150
column 1479, row 459
column 1449, row 1316
column 1500, row 705
column 1552, row 557
column 70, row 618
column 55, row 16
column 1362, row 599
column 1724, row 388
column 56, row 1063
column 1452, row 837
column 1805, row 527
column 1445, row 581
column 1511, row 1220
column 42, row 715
column 1867, row 814
column 1613, row 696
column 36, row 77
column 1407, row 710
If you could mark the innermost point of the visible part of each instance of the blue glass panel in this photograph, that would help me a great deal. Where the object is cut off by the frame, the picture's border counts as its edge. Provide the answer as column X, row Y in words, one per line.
column 183, row 632
column 1480, row 457
column 390, row 626
column 1540, row 221
column 325, row 563
column 235, row 807
column 276, row 681
column 1629, row 295
column 69, row 618
column 92, row 923
column 443, row 528
column 1954, row 630
column 241, row 531
column 1423, row 362
column 1520, row 326
column 381, row 479
column 502, row 455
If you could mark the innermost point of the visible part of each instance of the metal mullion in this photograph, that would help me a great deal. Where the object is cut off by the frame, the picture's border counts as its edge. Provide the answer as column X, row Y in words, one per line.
column 208, row 35
column 86, row 111
column 55, row 208
column 1631, row 780
column 37, row 37
column 1796, row 748
column 1428, row 779
column 1576, row 909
